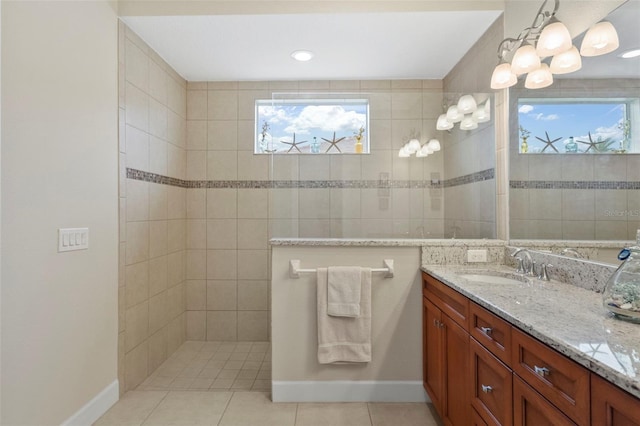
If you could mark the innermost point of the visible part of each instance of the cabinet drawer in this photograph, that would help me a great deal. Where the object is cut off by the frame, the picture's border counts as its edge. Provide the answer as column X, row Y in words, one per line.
column 493, row 332
column 491, row 386
column 452, row 303
column 556, row 377
column 531, row 409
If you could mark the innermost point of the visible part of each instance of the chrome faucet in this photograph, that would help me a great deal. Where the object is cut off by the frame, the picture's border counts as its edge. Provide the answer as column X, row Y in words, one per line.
column 525, row 266
column 543, row 272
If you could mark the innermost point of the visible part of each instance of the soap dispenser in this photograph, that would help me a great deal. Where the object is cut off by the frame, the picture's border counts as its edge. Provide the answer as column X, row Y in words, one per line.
column 622, row 291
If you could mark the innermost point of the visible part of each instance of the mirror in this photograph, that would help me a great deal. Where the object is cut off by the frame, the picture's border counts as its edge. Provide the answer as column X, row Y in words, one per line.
column 580, row 196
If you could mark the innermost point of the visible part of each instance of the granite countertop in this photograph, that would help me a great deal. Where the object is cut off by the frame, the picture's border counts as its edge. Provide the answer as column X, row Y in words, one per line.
column 570, row 319
column 384, row 242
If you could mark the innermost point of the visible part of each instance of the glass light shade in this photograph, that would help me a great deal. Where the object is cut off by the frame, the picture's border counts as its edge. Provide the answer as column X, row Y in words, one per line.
column 503, row 77
column 468, row 123
column 539, row 78
column 403, row 153
column 413, row 146
column 601, row 38
column 554, row 39
column 443, row 123
column 480, row 115
column 433, row 145
column 466, row 104
column 525, row 59
column 453, row 115
column 566, row 62
column 424, row 151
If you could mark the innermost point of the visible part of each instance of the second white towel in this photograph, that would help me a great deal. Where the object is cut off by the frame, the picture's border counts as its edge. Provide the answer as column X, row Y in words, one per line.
column 343, row 291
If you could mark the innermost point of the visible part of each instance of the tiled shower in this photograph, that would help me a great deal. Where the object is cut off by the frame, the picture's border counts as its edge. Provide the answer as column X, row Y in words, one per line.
column 198, row 207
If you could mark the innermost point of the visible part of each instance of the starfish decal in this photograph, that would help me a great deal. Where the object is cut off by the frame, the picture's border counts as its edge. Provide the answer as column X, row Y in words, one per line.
column 591, row 143
column 294, row 144
column 549, row 143
column 333, row 142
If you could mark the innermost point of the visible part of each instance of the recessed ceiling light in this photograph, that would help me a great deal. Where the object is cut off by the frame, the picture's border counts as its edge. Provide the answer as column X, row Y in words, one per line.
column 302, row 55
column 631, row 54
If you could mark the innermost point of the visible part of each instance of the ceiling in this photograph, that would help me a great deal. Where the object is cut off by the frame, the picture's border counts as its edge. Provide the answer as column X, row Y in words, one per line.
column 347, row 46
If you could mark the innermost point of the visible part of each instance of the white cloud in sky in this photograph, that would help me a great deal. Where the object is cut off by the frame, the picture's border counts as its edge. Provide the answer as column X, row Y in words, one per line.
column 328, row 118
column 525, row 109
column 549, row 117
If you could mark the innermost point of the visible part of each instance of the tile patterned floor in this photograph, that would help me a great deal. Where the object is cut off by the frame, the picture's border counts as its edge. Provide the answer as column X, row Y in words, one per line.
column 226, row 384
column 214, row 366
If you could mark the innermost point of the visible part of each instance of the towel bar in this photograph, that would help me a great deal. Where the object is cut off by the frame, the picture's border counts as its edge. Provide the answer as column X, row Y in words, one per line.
column 295, row 271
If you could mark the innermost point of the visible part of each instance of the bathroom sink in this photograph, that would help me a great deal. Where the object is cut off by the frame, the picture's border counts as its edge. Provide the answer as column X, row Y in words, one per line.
column 494, row 277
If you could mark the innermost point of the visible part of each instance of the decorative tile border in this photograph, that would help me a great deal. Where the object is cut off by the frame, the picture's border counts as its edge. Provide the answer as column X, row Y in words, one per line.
column 559, row 184
column 471, row 178
column 312, row 184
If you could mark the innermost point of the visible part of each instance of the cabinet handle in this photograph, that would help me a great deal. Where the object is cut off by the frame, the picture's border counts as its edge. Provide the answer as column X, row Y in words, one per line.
column 486, row 389
column 541, row 371
column 486, row 330
column 441, row 325
column 435, row 322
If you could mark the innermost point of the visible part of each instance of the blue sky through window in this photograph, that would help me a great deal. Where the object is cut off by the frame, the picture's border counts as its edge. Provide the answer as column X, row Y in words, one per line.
column 309, row 119
column 565, row 119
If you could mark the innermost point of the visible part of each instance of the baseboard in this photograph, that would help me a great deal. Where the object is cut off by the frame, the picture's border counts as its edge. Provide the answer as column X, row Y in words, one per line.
column 348, row 391
column 95, row 408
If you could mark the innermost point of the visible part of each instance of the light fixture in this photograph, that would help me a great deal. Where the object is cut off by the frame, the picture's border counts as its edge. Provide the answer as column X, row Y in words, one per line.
column 525, row 59
column 503, row 77
column 302, row 55
column 600, row 39
column 453, row 115
column 539, row 78
column 548, row 37
column 403, row 153
column 554, row 39
column 468, row 123
column 466, row 104
column 443, row 123
column 413, row 146
column 631, row 54
column 408, row 149
column 566, row 62
column 434, row 145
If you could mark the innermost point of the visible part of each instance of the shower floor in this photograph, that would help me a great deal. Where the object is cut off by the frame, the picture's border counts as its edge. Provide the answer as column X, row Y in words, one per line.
column 214, row 366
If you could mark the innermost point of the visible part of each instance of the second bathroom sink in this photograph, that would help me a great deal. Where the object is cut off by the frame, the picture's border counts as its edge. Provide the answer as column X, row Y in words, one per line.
column 494, row 277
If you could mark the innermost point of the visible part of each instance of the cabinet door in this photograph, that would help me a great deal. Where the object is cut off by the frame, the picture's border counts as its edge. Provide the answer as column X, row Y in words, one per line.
column 611, row 406
column 531, row 409
column 491, row 387
column 433, row 354
column 458, row 405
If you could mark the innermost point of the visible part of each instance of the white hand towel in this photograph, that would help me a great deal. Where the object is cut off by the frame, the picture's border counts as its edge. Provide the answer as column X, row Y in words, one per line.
column 344, row 339
column 343, row 291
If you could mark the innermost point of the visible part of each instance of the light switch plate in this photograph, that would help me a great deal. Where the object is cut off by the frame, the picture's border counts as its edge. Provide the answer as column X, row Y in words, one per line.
column 70, row 239
column 476, row 256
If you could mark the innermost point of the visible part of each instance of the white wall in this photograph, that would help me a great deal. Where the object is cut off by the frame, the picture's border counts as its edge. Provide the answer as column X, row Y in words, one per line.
column 59, row 169
column 396, row 328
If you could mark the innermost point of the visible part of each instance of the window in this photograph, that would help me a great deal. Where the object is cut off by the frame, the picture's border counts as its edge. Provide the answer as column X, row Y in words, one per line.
column 587, row 125
column 312, row 126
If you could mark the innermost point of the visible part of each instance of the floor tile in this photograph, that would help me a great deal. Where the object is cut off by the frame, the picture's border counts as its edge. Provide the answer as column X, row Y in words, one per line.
column 334, row 414
column 132, row 409
column 186, row 408
column 409, row 414
column 256, row 408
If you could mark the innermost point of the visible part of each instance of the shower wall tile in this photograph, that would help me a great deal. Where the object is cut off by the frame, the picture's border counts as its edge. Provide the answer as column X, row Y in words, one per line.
column 153, row 228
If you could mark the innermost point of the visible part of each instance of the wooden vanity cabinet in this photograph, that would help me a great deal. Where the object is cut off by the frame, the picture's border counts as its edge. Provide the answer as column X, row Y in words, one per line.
column 611, row 406
column 480, row 370
column 445, row 349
